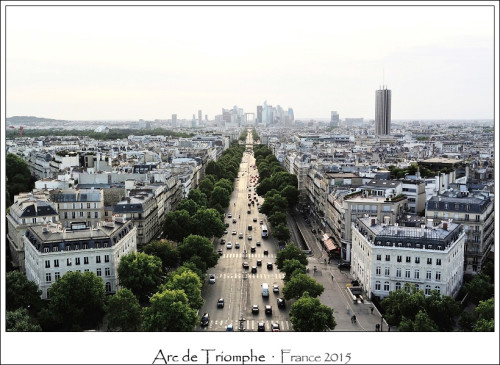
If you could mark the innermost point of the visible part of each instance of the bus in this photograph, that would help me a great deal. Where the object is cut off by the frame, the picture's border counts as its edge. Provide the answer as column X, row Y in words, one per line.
column 264, row 231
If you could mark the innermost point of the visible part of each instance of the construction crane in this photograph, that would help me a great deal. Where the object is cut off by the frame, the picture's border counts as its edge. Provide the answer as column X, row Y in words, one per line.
column 20, row 130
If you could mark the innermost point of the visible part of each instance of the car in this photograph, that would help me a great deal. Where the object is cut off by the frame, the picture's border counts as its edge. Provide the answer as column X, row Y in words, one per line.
column 240, row 235
column 269, row 309
column 211, row 280
column 252, row 249
column 275, row 327
column 281, row 303
column 222, row 241
column 234, row 220
column 225, row 231
column 233, row 233
column 344, row 265
column 270, row 265
column 261, row 222
column 255, row 309
column 266, row 252
column 258, row 243
column 253, row 203
column 220, row 251
column 259, row 262
column 254, row 269
column 229, row 215
column 227, row 224
column 249, row 237
column 236, row 245
column 255, row 219
column 220, row 303
column 205, row 319
column 229, row 328
column 249, row 211
column 245, row 265
column 276, row 288
column 261, row 327
column 229, row 246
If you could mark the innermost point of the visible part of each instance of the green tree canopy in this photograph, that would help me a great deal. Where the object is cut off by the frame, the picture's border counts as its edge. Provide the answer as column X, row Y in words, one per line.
column 299, row 284
column 177, row 225
column 309, row 315
column 277, row 218
column 18, row 176
column 220, row 196
column 206, row 186
column 190, row 283
column 281, row 232
column 291, row 194
column 124, row 311
column 213, row 168
column 208, row 223
column 169, row 311
column 199, row 246
column 189, row 205
column 291, row 252
column 421, row 323
column 442, row 310
column 291, row 267
column 141, row 273
column 198, row 197
column 77, row 300
column 166, row 251
column 20, row 321
column 479, row 288
column 404, row 302
column 21, row 293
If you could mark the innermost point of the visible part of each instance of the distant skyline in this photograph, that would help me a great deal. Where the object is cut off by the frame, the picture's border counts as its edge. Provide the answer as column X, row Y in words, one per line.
column 149, row 62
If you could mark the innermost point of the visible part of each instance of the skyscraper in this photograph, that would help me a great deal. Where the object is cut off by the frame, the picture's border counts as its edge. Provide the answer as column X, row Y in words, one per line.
column 174, row 120
column 383, row 112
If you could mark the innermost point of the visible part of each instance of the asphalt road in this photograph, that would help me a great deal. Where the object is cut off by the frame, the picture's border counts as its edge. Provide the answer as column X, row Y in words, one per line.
column 240, row 288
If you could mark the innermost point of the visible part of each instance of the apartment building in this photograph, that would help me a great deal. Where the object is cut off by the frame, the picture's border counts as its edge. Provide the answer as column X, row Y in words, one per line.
column 387, row 256
column 82, row 205
column 52, row 251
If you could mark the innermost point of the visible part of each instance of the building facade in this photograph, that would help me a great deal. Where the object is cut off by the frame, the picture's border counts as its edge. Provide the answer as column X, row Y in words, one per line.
column 82, row 205
column 383, row 112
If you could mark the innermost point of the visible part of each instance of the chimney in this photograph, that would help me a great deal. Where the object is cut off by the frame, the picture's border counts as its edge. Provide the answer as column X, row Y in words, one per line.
column 445, row 226
column 373, row 221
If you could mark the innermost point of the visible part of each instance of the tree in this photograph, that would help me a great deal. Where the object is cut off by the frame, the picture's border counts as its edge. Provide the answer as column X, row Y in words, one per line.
column 281, row 232
column 274, row 203
column 141, row 273
column 77, row 300
column 124, row 311
column 277, row 218
column 198, row 197
column 442, row 310
column 169, row 311
column 190, row 283
column 299, row 284
column 264, row 186
column 208, row 223
column 291, row 194
column 177, row 225
column 290, row 267
column 189, row 205
column 479, row 288
column 309, row 315
column 166, row 251
column 421, row 323
column 190, row 266
column 20, row 321
column 206, row 186
column 291, row 252
column 198, row 246
column 21, row 293
column 226, row 184
column 18, row 176
column 403, row 302
column 213, row 168
column 220, row 196
column 484, row 315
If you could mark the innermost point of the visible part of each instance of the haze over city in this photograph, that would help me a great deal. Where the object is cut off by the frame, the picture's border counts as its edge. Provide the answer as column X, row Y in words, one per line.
column 115, row 63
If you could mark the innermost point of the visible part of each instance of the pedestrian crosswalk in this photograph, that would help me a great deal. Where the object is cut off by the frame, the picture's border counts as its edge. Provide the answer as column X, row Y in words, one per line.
column 248, row 256
column 248, row 324
column 249, row 275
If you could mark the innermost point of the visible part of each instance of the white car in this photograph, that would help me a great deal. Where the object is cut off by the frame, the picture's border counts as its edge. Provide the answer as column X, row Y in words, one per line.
column 229, row 246
column 233, row 233
column 212, row 279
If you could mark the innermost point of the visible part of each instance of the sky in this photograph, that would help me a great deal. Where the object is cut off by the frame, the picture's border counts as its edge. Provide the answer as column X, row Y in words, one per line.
column 149, row 62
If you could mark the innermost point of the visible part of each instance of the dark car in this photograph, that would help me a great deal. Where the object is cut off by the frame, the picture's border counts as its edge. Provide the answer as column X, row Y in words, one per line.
column 270, row 265
column 252, row 249
column 227, row 224
column 254, row 269
column 220, row 303
column 249, row 211
column 281, row 303
column 259, row 262
column 222, row 241
column 255, row 219
column 255, row 309
column 205, row 319
column 261, row 327
column 266, row 252
column 344, row 265
column 220, row 251
column 269, row 309
column 245, row 265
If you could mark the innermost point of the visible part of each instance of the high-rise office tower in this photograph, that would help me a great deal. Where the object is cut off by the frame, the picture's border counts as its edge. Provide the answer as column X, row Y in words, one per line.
column 199, row 116
column 383, row 112
column 334, row 120
column 259, row 113
column 174, row 120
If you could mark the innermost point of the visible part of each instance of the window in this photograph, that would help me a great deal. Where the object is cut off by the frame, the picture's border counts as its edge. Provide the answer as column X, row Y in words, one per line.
column 466, row 217
column 438, row 261
column 96, row 214
column 108, row 287
column 417, row 287
column 98, row 259
column 81, row 214
column 73, row 215
column 65, row 215
column 428, row 275
column 408, row 258
column 386, row 286
column 107, row 271
column 99, row 272
column 476, row 239
column 398, row 286
column 407, row 273
column 48, row 277
column 68, row 248
column 86, row 270
column 398, row 272
column 68, row 262
column 85, row 246
column 86, row 260
column 56, row 263
column 47, row 264
column 417, row 260
column 429, row 261
column 46, row 249
column 387, row 257
column 379, row 257
column 438, row 275
column 81, row 205
column 387, row 271
column 377, row 270
column 377, row 285
column 57, row 276
column 438, row 289
column 435, row 215
column 77, row 261
column 88, row 205
column 88, row 214
column 427, row 290
column 55, row 249
column 416, row 274
column 98, row 245
column 407, row 288
column 106, row 257
column 399, row 258
column 477, row 218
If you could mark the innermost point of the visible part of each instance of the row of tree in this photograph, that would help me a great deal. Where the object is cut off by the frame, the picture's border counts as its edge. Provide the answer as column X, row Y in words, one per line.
column 279, row 188
column 307, row 314
column 19, row 178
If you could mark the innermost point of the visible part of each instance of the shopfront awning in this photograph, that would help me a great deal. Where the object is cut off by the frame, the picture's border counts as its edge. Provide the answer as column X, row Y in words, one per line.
column 330, row 245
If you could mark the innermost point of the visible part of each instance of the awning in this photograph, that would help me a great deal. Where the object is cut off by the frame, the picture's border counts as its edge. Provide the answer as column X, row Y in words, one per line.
column 330, row 245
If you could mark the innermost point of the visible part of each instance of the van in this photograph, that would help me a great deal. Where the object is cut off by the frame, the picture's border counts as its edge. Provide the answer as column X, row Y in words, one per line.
column 265, row 290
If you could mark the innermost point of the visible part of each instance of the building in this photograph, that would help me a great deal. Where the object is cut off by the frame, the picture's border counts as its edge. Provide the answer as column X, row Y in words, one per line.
column 52, row 251
column 29, row 209
column 383, row 112
column 334, row 120
column 82, row 205
column 386, row 256
column 174, row 120
column 476, row 214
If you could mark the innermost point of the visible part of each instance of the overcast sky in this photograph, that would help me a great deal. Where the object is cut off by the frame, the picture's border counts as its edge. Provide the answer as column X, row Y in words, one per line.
column 89, row 63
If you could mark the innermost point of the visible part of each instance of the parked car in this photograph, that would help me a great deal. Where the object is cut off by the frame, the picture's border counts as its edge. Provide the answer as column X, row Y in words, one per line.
column 233, row 233
column 229, row 215
column 229, row 328
column 220, row 251
column 222, row 241
column 205, row 319
column 234, row 220
column 249, row 238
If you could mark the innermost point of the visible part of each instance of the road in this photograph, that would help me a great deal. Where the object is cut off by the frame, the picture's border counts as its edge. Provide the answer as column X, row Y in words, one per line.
column 240, row 288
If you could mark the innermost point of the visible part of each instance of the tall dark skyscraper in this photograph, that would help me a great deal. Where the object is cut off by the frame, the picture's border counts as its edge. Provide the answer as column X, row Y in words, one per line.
column 383, row 112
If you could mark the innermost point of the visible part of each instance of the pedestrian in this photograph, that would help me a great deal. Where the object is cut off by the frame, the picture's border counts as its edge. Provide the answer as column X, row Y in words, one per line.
column 377, row 327
column 371, row 309
column 354, row 318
